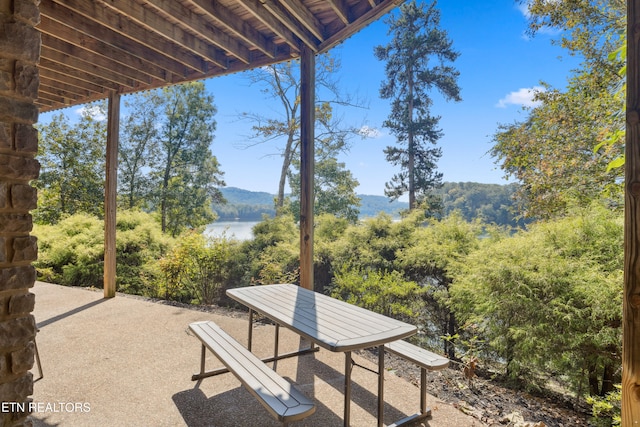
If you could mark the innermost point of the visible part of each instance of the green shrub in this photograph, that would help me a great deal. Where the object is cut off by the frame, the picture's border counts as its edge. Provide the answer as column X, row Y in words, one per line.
column 71, row 252
column 606, row 410
column 387, row 293
column 548, row 300
column 198, row 268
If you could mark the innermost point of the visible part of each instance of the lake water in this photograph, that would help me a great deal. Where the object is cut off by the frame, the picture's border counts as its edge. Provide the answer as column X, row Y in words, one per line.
column 241, row 230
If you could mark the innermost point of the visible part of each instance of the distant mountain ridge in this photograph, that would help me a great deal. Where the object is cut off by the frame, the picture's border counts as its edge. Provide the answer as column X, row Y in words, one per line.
column 493, row 203
column 251, row 205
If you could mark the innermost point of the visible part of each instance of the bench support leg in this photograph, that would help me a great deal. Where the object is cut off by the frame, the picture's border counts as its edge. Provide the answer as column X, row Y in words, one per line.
column 424, row 411
column 250, row 337
column 275, row 346
column 221, row 370
column 203, row 356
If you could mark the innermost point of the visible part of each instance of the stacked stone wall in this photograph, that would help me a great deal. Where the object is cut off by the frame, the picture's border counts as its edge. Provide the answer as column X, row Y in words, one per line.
column 19, row 54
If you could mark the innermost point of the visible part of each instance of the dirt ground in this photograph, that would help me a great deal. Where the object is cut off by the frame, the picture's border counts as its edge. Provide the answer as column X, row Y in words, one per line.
column 489, row 402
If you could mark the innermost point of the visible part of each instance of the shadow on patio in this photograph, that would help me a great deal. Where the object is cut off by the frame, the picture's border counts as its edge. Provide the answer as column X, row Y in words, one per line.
column 128, row 361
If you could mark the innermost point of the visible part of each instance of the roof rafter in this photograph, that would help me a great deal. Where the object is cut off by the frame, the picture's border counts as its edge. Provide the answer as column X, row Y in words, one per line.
column 342, row 10
column 258, row 10
column 105, row 24
column 146, row 18
column 91, row 48
column 304, row 15
column 53, row 30
column 301, row 31
column 224, row 17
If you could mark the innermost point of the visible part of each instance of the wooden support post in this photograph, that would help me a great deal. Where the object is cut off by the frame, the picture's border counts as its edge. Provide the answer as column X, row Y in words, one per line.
column 631, row 303
column 307, row 120
column 110, row 191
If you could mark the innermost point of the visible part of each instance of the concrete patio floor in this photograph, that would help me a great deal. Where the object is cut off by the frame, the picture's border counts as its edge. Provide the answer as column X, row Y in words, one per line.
column 127, row 361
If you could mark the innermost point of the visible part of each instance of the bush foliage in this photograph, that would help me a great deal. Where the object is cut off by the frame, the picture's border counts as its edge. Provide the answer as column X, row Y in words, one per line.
column 71, row 252
column 540, row 303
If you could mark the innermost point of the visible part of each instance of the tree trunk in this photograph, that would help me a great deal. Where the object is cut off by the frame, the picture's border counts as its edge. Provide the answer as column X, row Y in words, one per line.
column 607, row 380
column 594, row 385
column 410, row 148
column 286, row 162
column 451, row 330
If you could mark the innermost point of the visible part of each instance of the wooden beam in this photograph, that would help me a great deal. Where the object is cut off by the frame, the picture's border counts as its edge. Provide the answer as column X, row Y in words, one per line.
column 307, row 161
column 341, row 8
column 110, row 193
column 362, row 21
column 239, row 28
column 305, row 17
column 68, row 89
column 258, row 10
column 86, row 68
column 631, row 300
column 49, row 65
column 105, row 24
column 59, row 76
column 294, row 26
column 52, row 29
column 156, row 23
column 62, row 46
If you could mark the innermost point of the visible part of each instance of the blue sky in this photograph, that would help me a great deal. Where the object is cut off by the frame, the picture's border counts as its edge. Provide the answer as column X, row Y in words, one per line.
column 499, row 66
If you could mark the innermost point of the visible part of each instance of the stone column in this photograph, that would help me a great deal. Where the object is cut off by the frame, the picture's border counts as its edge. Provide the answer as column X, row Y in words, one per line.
column 19, row 54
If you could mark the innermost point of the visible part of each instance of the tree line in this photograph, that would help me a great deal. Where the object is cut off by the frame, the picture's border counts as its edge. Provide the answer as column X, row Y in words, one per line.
column 493, row 203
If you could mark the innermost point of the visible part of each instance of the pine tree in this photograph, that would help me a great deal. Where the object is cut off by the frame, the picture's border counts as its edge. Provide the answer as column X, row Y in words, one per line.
column 417, row 39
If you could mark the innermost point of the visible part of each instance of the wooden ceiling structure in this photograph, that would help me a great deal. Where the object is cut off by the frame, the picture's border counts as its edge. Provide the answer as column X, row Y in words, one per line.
column 91, row 48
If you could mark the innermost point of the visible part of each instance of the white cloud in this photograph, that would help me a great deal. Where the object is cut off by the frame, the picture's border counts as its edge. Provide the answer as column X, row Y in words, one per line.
column 523, row 97
column 369, row 132
column 92, row 111
column 524, row 9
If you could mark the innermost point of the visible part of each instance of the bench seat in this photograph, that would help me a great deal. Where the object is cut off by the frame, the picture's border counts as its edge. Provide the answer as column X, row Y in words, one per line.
column 418, row 355
column 427, row 361
column 283, row 401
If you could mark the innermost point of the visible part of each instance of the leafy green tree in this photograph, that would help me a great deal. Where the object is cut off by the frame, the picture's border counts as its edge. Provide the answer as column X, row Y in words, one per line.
column 552, row 153
column 187, row 176
column 334, row 189
column 138, row 150
column 374, row 244
column 388, row 293
column 491, row 203
column 274, row 251
column 417, row 39
column 563, row 153
column 589, row 28
column 72, row 174
column 282, row 82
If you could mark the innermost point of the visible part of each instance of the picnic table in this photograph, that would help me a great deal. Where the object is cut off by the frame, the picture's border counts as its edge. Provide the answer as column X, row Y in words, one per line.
column 330, row 323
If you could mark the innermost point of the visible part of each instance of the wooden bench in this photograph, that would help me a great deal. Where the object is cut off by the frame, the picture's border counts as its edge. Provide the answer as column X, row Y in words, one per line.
column 283, row 401
column 427, row 361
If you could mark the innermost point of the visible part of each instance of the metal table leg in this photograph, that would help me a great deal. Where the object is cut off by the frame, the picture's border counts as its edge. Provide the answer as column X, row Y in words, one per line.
column 380, row 386
column 348, row 366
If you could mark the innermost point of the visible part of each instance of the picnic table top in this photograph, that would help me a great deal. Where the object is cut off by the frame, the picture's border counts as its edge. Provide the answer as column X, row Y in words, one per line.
column 333, row 324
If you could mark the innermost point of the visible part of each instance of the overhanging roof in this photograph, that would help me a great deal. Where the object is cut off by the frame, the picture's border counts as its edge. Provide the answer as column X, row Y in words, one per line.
column 93, row 47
